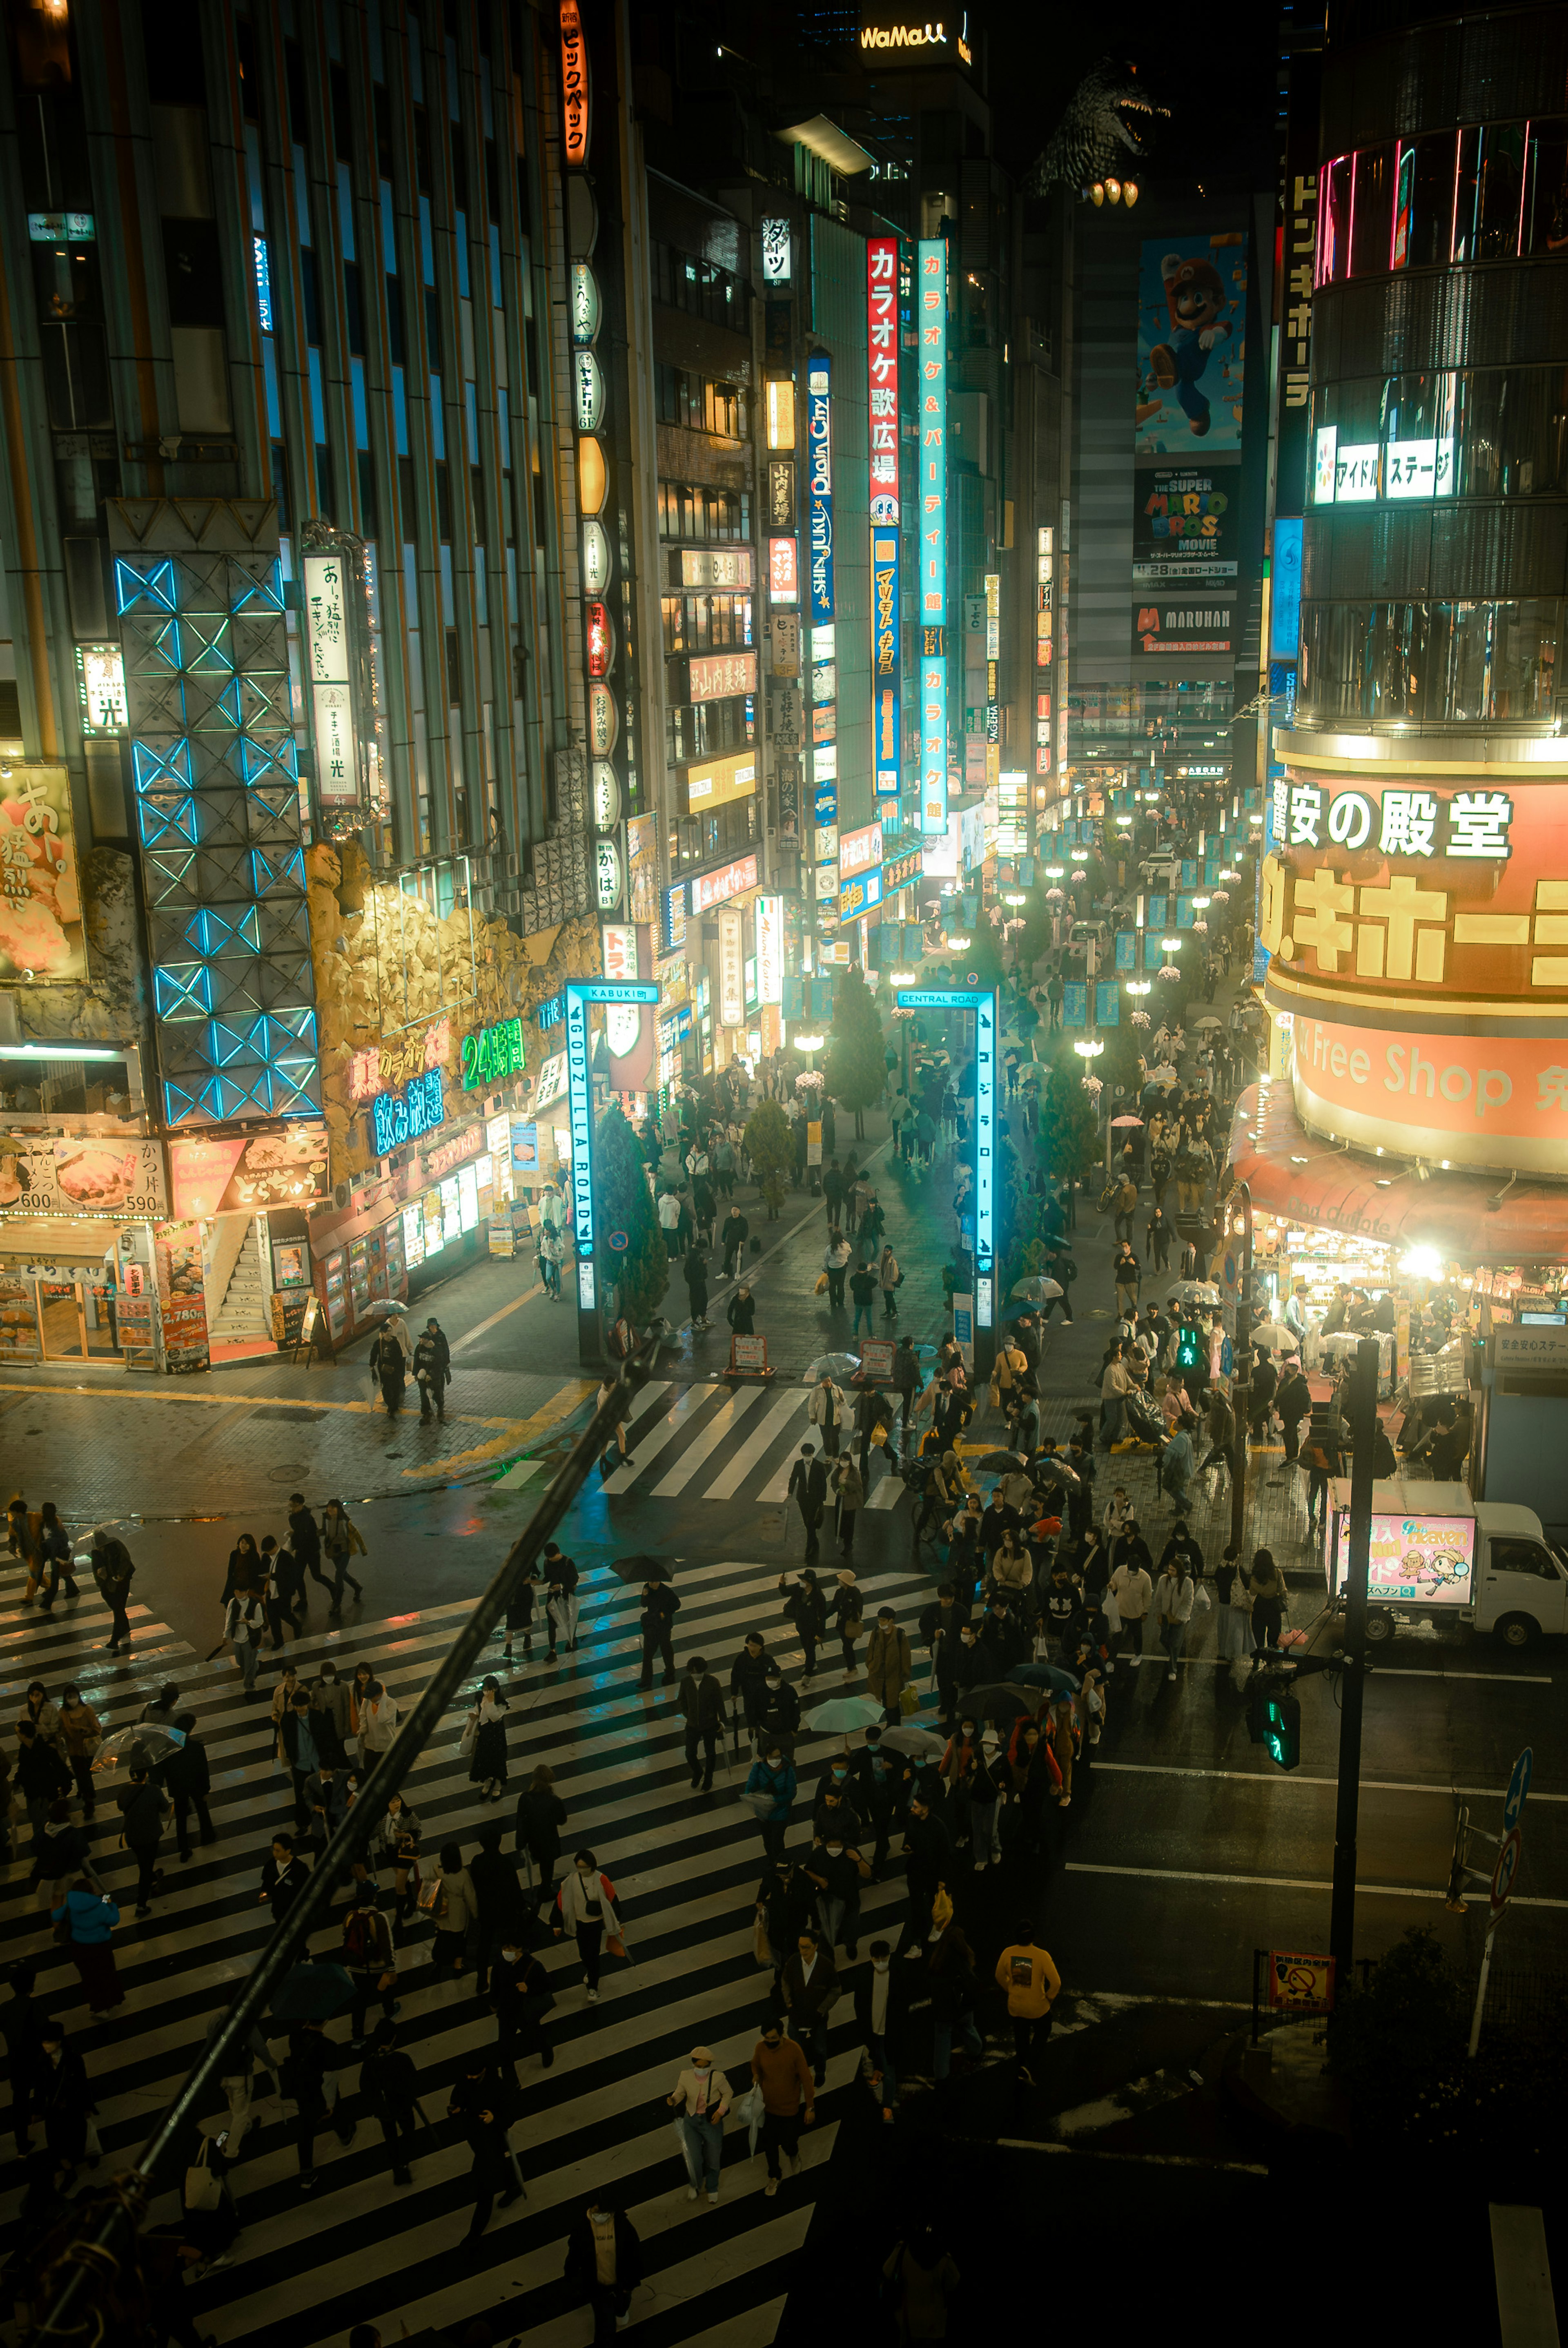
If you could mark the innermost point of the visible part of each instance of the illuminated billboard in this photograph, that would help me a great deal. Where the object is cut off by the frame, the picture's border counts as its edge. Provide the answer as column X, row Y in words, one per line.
column 931, row 359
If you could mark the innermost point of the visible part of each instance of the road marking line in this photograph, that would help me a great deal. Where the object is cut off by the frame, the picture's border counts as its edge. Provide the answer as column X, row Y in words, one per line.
column 1148, row 2159
column 1283, row 1883
column 1294, row 1778
column 720, row 1425
column 648, row 1448
column 480, row 1326
column 772, row 1426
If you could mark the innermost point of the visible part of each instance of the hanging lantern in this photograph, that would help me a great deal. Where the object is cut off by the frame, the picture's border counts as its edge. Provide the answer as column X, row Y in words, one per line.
column 592, row 478
column 606, row 785
column 598, row 633
column 588, row 389
column 598, row 562
column 604, row 720
column 584, row 304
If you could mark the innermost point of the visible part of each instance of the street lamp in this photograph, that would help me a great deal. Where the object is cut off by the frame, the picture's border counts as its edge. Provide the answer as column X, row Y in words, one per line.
column 1169, row 945
column 957, row 945
column 1055, row 871
column 1136, row 985
column 1014, row 897
column 1200, row 902
column 1079, row 855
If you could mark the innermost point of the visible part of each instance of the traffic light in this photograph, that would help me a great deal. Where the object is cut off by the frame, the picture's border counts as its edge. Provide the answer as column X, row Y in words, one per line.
column 1274, row 1720
column 1188, row 1348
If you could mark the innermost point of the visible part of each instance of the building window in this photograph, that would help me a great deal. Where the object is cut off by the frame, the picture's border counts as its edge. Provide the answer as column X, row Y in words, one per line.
column 700, row 287
column 703, row 516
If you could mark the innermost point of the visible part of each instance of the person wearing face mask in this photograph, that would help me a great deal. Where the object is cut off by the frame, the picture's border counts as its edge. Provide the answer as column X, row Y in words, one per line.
column 785, row 1899
column 770, row 1790
column 521, row 1997
column 781, row 2071
column 836, row 1869
column 701, row 1701
column 1031, row 1982
column 702, row 2096
column 586, row 1902
column 976, row 1664
column 781, row 1708
column 881, row 2010
column 749, row 1681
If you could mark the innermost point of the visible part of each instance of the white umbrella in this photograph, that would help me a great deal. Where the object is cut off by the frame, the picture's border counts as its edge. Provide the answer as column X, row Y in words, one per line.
column 1275, row 1333
column 1196, row 1291
column 830, row 1365
column 1038, row 1289
column 1207, row 1020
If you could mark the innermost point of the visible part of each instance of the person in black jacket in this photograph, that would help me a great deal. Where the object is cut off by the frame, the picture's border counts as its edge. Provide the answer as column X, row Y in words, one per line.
column 660, row 1607
column 1185, row 1546
column 521, row 1997
column 733, row 1235
column 20, row 2023
column 485, row 2100
column 930, row 1851
column 804, row 1604
column 940, row 1625
column 304, row 1539
column 66, row 2097
column 283, row 1876
column 433, row 1371
column 1292, row 1400
column 560, row 1599
column 701, row 1701
column 781, row 1708
column 42, row 1780
column 190, row 1780
column 142, row 1807
column 749, row 1681
column 497, row 1896
column 809, row 1489
column 391, row 2083
column 309, row 2078
column 1261, row 1394
column 541, row 1814
column 603, row 2229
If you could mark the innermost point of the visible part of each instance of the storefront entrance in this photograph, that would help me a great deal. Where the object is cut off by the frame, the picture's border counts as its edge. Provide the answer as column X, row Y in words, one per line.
column 74, row 1320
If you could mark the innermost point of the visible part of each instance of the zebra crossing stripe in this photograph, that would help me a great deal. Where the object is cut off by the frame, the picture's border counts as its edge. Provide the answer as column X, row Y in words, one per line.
column 780, row 1411
column 660, row 1434
column 719, row 1425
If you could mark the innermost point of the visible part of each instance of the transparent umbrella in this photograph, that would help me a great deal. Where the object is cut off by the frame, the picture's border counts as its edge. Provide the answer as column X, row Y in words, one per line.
column 1196, row 1291
column 146, row 1747
column 830, row 1365
column 1037, row 1290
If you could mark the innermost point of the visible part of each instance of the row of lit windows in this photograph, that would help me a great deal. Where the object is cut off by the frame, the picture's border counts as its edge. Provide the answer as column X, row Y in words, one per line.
column 703, row 728
column 702, row 624
column 703, row 516
column 1489, row 191
column 697, row 401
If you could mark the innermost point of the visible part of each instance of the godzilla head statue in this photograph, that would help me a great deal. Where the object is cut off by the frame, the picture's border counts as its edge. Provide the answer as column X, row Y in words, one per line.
column 1108, row 123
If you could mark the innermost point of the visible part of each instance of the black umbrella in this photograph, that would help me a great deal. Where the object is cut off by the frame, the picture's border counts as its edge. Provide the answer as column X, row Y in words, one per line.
column 642, row 1569
column 312, row 1992
column 999, row 1463
column 1003, row 1701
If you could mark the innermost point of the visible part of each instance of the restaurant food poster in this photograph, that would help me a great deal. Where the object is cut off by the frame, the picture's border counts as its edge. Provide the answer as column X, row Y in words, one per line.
column 1191, row 316
column 182, row 1298
column 49, row 1175
column 40, row 906
column 241, row 1174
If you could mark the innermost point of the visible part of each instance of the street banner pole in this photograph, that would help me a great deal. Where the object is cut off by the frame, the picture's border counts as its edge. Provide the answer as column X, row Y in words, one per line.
column 1363, row 1436
column 1239, row 1219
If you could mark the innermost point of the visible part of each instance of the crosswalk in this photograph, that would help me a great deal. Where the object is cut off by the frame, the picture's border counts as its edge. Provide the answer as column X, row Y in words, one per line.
column 686, row 1868
column 749, row 1439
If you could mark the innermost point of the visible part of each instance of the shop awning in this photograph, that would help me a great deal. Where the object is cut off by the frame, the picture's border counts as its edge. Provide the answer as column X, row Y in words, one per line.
column 1291, row 1173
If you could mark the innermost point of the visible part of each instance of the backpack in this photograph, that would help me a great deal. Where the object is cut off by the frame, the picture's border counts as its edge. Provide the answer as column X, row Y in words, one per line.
column 357, row 1936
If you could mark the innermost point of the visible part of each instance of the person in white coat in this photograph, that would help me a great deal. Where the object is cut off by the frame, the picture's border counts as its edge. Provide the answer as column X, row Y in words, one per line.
column 827, row 1410
column 702, row 2097
column 586, row 1903
column 1174, row 1594
column 1132, row 1589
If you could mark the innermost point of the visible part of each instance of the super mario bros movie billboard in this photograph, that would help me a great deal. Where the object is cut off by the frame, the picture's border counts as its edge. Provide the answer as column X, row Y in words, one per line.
column 1192, row 321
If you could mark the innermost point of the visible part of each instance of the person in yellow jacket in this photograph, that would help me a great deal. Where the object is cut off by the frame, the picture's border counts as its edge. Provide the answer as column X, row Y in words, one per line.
column 1031, row 1982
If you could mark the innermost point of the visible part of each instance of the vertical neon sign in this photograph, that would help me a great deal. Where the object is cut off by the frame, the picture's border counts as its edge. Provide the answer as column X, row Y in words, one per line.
column 819, row 465
column 930, row 328
column 882, row 348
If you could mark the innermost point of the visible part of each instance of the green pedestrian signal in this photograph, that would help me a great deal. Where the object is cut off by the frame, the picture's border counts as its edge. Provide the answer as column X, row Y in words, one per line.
column 1273, row 1719
column 1188, row 1348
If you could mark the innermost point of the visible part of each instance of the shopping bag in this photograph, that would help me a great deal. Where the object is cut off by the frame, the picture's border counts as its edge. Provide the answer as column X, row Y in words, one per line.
column 616, row 1947
column 1202, row 1599
column 821, row 1287
column 760, row 1944
column 909, row 1700
column 1111, row 1611
column 204, row 2186
column 470, row 1732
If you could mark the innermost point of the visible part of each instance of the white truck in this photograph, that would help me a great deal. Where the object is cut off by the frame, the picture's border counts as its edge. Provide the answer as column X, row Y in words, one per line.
column 1437, row 1554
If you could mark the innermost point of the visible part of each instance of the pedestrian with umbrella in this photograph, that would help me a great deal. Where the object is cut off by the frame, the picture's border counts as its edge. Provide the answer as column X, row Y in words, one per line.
column 770, row 1789
column 826, row 1409
column 390, row 1363
column 660, row 1605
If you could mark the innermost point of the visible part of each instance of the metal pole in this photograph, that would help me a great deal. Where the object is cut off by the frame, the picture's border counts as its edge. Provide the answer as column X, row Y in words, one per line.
column 1241, row 1202
column 1363, row 1434
column 291, row 1938
column 1474, row 2046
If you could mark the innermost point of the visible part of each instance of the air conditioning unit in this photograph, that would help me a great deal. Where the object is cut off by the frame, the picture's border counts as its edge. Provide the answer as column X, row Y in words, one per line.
column 340, row 1196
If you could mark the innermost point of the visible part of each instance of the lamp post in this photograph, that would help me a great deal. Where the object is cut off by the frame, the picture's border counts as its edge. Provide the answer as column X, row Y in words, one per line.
column 895, row 980
column 1239, row 1227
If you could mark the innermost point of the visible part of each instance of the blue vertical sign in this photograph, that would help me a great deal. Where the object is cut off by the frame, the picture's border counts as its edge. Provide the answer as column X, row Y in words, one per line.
column 820, row 481
column 579, row 993
column 983, row 1003
column 885, row 622
column 931, row 338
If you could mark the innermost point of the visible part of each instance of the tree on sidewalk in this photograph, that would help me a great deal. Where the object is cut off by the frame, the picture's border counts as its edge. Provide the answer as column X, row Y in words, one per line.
column 623, row 1202
column 769, row 1143
column 1065, row 1142
column 857, row 1065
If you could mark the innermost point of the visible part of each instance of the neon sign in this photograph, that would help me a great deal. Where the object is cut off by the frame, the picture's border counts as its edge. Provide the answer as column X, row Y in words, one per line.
column 491, row 1054
column 820, row 473
column 930, row 312
column 403, row 1116
column 575, row 89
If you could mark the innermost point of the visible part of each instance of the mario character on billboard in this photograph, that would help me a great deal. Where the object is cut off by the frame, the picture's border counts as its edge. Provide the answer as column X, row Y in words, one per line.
column 1196, row 301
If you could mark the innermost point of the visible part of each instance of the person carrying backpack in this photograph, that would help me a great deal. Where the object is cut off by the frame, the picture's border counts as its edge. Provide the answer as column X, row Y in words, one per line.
column 368, row 1958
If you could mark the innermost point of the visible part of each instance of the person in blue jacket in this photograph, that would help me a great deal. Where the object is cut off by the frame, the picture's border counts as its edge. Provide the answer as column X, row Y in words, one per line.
column 773, row 1776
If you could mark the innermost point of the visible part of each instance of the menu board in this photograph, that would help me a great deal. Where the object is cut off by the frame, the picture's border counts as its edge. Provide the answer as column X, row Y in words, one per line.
column 99, row 1175
column 240, row 1173
column 18, row 1317
column 288, row 1314
column 182, row 1298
